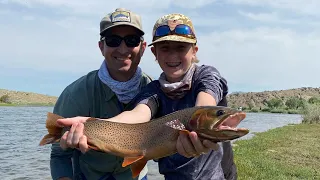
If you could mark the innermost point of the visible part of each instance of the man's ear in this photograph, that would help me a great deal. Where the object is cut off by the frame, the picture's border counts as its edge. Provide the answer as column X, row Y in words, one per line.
column 143, row 47
column 101, row 46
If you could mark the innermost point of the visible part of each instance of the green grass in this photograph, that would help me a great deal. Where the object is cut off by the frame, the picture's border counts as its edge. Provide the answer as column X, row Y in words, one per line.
column 290, row 152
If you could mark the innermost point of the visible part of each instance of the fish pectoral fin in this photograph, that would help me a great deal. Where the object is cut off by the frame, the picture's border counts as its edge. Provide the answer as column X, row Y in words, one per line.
column 175, row 124
column 130, row 160
column 184, row 131
column 137, row 167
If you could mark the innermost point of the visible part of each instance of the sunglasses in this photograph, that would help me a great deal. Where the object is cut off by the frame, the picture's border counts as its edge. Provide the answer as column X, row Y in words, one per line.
column 115, row 40
column 181, row 29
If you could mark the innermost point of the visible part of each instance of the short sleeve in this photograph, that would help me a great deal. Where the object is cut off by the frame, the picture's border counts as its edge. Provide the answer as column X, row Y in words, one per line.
column 209, row 80
column 148, row 96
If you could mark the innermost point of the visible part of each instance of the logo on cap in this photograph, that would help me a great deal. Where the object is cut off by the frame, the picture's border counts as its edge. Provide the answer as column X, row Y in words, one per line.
column 120, row 16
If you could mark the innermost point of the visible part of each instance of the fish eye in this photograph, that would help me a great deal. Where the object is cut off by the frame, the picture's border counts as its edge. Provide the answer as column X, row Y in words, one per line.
column 220, row 112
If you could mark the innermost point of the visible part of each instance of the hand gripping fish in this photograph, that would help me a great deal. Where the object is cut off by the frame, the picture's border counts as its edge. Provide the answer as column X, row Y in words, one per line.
column 138, row 143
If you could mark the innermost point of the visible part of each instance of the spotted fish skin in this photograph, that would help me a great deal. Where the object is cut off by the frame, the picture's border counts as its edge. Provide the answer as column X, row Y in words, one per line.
column 138, row 143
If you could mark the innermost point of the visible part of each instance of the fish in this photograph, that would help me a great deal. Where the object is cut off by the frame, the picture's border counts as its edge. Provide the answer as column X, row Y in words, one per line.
column 157, row 138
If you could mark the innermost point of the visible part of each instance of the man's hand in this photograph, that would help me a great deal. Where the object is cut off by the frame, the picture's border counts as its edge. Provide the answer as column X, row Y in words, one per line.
column 189, row 145
column 74, row 138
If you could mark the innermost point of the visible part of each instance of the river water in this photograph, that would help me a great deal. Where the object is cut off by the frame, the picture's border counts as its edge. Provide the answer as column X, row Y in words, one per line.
column 21, row 129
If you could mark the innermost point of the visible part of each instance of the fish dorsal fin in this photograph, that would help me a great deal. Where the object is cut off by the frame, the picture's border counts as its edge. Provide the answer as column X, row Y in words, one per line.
column 137, row 167
column 130, row 160
column 175, row 124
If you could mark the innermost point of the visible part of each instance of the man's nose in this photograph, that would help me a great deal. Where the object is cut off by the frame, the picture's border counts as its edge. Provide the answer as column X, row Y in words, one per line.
column 123, row 48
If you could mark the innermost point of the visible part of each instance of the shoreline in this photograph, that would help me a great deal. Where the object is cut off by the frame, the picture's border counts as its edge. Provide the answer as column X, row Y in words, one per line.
column 52, row 105
column 26, row 105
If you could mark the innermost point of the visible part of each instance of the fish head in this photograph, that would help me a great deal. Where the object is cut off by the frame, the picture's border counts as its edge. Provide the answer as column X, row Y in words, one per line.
column 217, row 123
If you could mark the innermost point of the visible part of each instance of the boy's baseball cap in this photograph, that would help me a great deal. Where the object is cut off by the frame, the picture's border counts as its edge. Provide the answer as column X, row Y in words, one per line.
column 173, row 20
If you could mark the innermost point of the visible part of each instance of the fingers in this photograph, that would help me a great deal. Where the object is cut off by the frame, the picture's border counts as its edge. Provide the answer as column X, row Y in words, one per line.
column 70, row 136
column 180, row 148
column 83, row 144
column 75, row 138
column 78, row 133
column 191, row 145
column 185, row 147
column 63, row 141
column 199, row 147
column 211, row 145
column 71, row 121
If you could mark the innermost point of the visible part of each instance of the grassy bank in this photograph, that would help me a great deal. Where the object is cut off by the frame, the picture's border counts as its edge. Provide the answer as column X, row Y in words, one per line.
column 290, row 152
column 26, row 104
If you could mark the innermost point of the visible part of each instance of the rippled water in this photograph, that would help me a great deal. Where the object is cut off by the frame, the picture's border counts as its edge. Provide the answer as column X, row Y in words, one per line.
column 21, row 129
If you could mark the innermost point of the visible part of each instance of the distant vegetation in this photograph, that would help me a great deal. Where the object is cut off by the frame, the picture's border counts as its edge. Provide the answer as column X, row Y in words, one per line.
column 293, row 101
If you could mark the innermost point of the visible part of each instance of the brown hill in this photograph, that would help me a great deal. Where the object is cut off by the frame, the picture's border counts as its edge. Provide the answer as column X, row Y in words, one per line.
column 258, row 99
column 25, row 98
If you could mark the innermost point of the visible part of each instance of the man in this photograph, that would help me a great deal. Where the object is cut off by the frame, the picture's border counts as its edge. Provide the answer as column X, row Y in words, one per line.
column 103, row 93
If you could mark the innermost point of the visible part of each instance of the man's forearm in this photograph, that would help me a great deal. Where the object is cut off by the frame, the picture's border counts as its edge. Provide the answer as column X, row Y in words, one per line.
column 60, row 162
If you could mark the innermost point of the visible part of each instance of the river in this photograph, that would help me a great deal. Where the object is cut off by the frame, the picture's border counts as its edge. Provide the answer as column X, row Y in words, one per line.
column 21, row 129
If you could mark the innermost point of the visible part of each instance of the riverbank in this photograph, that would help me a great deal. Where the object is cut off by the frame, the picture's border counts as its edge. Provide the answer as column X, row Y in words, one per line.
column 27, row 104
column 289, row 152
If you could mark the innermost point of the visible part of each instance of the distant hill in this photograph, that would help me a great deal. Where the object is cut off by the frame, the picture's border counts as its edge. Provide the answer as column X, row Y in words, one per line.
column 236, row 99
column 259, row 99
column 25, row 98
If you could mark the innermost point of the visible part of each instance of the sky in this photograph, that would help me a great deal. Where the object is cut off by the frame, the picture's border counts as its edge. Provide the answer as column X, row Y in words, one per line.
column 256, row 45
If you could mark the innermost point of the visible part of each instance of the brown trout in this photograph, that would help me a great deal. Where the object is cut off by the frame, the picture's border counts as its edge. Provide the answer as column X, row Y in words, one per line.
column 138, row 143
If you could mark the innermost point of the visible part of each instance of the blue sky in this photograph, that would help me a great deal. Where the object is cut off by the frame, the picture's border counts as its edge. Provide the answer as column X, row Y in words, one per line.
column 256, row 45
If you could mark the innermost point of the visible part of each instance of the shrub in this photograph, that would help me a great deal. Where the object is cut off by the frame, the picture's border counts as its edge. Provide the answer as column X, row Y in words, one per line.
column 4, row 99
column 311, row 114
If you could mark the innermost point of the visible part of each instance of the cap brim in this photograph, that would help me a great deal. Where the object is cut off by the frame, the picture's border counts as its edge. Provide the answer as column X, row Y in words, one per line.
column 176, row 38
column 122, row 24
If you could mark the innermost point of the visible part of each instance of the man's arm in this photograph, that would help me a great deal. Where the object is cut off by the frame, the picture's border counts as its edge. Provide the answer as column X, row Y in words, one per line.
column 60, row 160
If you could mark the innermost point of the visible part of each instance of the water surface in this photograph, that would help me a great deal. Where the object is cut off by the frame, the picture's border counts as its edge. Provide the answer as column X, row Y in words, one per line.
column 21, row 129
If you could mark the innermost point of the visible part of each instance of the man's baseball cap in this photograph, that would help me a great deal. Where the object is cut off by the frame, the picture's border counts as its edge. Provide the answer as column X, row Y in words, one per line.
column 172, row 21
column 120, row 17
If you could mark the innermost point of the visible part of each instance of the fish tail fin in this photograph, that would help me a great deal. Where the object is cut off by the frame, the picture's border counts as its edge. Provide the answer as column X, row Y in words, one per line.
column 54, row 131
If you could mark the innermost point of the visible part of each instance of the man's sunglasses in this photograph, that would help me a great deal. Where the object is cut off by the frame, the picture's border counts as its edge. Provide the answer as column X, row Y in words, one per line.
column 181, row 29
column 115, row 40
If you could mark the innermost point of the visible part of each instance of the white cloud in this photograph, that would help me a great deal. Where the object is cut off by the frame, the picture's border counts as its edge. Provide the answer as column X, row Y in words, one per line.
column 307, row 7
column 267, row 17
column 264, row 56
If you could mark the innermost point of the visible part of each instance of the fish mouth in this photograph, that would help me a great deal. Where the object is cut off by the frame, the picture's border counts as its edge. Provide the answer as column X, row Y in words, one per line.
column 232, row 121
column 226, row 129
